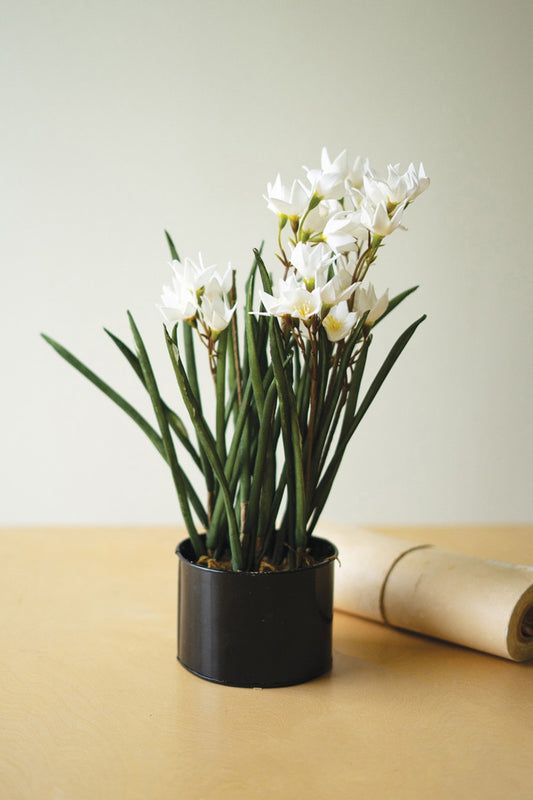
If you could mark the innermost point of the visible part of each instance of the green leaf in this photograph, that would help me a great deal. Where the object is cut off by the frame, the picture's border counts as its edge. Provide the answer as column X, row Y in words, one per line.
column 292, row 440
column 109, row 392
column 330, row 412
column 177, row 473
column 262, row 461
column 221, row 396
column 251, row 345
column 384, row 370
column 195, row 501
column 265, row 277
column 326, row 482
column 355, row 385
column 232, row 469
column 130, row 411
column 173, row 251
column 174, row 420
column 325, row 349
column 209, row 447
column 192, row 374
column 395, row 301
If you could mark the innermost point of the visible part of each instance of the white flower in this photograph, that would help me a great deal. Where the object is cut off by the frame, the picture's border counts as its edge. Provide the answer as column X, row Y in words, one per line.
column 377, row 218
column 291, row 202
column 398, row 188
column 339, row 165
column 342, row 231
column 355, row 176
column 292, row 299
column 350, row 176
column 193, row 275
column 338, row 288
column 180, row 301
column 198, row 292
column 419, row 181
column 339, row 322
column 310, row 261
column 218, row 283
column 305, row 304
column 407, row 185
column 216, row 313
column 390, row 192
column 367, row 300
column 179, row 304
column 328, row 182
column 318, row 217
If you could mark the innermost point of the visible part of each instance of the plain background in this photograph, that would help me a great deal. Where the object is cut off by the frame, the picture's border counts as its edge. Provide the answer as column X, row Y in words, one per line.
column 121, row 119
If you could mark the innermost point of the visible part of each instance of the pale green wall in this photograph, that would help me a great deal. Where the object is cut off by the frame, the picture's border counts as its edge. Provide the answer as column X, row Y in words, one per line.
column 122, row 118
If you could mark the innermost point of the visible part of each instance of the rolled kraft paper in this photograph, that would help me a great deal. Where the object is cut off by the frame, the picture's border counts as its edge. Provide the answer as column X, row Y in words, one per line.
column 485, row 605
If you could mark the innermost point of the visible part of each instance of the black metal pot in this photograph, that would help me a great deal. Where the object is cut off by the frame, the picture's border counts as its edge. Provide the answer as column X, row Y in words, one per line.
column 256, row 629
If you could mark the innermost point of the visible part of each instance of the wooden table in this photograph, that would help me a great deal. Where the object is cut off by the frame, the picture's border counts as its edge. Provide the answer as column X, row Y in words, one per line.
column 94, row 705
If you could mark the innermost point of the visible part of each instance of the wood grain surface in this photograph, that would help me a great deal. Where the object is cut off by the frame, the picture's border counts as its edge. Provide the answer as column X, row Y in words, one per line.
column 94, row 704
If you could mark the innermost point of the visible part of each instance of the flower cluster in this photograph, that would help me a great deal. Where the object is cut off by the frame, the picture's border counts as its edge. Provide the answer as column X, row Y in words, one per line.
column 341, row 205
column 338, row 218
column 288, row 392
column 199, row 295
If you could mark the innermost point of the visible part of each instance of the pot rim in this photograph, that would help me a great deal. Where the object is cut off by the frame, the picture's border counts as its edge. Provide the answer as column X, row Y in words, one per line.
column 332, row 557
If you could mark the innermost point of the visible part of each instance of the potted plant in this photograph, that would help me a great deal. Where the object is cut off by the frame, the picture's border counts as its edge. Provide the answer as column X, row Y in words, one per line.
column 256, row 583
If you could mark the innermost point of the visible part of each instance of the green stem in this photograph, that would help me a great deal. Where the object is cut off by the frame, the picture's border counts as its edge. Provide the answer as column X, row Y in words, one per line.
column 260, row 467
column 236, row 361
column 233, row 469
column 313, row 400
column 324, row 487
column 221, row 396
column 209, row 445
column 159, row 411
column 190, row 360
column 173, row 419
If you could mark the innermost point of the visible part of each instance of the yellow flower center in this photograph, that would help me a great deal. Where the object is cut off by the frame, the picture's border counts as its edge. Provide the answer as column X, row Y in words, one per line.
column 304, row 308
column 333, row 324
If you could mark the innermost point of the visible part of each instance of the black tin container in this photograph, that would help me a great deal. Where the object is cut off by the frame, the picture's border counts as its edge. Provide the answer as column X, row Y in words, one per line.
column 256, row 629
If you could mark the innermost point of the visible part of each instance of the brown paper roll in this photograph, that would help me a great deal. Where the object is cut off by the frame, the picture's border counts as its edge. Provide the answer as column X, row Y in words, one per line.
column 486, row 605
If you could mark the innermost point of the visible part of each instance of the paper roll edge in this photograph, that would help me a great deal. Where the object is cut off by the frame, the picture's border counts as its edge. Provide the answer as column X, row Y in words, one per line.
column 520, row 630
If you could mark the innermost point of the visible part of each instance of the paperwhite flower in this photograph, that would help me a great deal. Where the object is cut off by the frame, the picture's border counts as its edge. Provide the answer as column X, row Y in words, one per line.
column 291, row 202
column 328, row 182
column 398, row 188
column 292, row 299
column 342, row 231
column 304, row 304
column 367, row 300
column 377, row 218
column 339, row 322
column 310, row 261
column 339, row 165
column 419, row 181
column 216, row 313
column 318, row 217
column 389, row 193
column 193, row 275
column 355, row 176
column 338, row 289
column 218, row 283
column 179, row 304
column 180, row 301
column 198, row 292
column 351, row 176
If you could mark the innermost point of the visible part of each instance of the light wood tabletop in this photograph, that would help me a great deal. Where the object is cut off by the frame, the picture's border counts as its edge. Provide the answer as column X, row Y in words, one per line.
column 94, row 705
